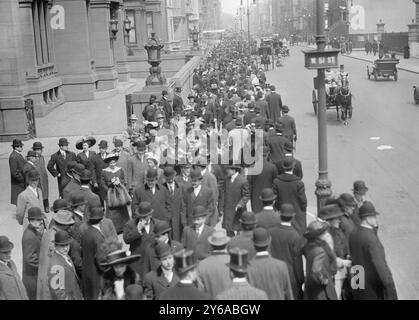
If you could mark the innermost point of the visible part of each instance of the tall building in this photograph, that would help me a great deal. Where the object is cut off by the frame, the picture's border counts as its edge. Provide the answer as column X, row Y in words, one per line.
column 210, row 14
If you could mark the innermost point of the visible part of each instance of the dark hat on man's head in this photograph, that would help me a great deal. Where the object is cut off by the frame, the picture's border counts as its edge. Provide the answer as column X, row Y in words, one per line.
column 60, row 204
column 77, row 199
column 287, row 210
column 270, row 123
column 239, row 260
column 103, row 144
column 141, row 145
column 272, row 87
column 330, row 212
column 285, row 109
column 196, row 174
column 288, row 147
column 315, row 229
column 184, row 261
column 35, row 213
column 62, row 238
column 162, row 250
column 279, row 127
column 346, row 199
column 17, row 143
column 31, row 153
column 201, row 161
column 118, row 143
column 169, row 172
column 96, row 213
column 70, row 166
column 367, row 210
column 239, row 122
column 359, row 186
column 267, row 195
column 33, row 175
column 152, row 174
column 248, row 218
column 261, row 237
column 37, row 146
column 85, row 176
column 78, row 169
column 287, row 163
column 219, row 238
column 63, row 142
column 144, row 210
column 161, row 228
column 199, row 211
column 5, row 244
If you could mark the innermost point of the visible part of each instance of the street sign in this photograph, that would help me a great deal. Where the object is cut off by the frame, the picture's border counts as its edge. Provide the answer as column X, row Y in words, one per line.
column 327, row 59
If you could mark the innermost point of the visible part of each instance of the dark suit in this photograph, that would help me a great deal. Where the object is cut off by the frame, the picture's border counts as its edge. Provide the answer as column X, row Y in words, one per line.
column 290, row 130
column 286, row 245
column 167, row 108
column 290, row 189
column 297, row 168
column 263, row 107
column 58, row 165
column 205, row 198
column 87, row 194
column 91, row 243
column 183, row 292
column 155, row 284
column 176, row 209
column 158, row 201
column 98, row 165
column 259, row 182
column 236, row 193
column 17, row 177
column 276, row 144
column 87, row 162
column 151, row 262
column 73, row 186
column 199, row 245
column 31, row 245
column 274, row 106
column 367, row 251
column 270, row 275
column 177, row 104
column 268, row 218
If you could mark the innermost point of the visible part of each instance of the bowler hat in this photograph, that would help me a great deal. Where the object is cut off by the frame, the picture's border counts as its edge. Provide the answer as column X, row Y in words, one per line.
column 118, row 143
column 169, row 172
column 96, row 213
column 272, row 87
column 196, row 174
column 78, row 169
column 31, row 153
column 17, row 143
column 315, row 229
column 287, row 210
column 367, row 210
column 239, row 122
column 63, row 217
column 288, row 147
column 35, row 213
column 5, row 244
column 238, row 260
column 111, row 157
column 62, row 238
column 33, row 175
column 85, row 176
column 90, row 140
column 184, row 261
column 267, row 194
column 346, row 199
column 261, row 237
column 329, row 212
column 37, row 146
column 77, row 199
column 162, row 250
column 141, row 145
column 161, row 228
column 144, row 210
column 219, row 238
column 63, row 142
column 152, row 174
column 270, row 122
column 279, row 127
column 285, row 109
column 60, row 204
column 248, row 218
column 120, row 257
column 103, row 144
column 70, row 166
column 359, row 186
column 199, row 211
column 287, row 163
column 164, row 93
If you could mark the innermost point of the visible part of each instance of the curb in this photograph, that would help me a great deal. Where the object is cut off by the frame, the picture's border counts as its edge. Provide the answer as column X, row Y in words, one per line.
column 369, row 61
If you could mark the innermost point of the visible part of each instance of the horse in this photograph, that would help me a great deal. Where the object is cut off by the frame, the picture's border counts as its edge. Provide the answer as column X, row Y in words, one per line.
column 344, row 101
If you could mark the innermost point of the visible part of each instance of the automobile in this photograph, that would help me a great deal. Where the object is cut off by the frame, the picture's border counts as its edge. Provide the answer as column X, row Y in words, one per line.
column 385, row 68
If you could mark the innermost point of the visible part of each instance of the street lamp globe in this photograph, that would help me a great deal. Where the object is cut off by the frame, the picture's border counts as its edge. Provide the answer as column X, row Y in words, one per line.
column 127, row 24
column 114, row 27
column 153, row 48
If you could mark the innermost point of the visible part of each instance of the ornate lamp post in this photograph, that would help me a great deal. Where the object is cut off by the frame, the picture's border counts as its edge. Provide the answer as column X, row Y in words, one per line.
column 195, row 39
column 127, row 28
column 113, row 28
column 153, row 48
column 321, row 59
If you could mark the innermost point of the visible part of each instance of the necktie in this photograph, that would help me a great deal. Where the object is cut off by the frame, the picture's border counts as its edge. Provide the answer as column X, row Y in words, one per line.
column 197, row 232
column 171, row 190
column 63, row 154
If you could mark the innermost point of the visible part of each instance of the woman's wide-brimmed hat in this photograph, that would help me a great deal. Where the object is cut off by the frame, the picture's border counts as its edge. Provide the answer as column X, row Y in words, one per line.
column 315, row 229
column 90, row 140
column 120, row 257
column 111, row 157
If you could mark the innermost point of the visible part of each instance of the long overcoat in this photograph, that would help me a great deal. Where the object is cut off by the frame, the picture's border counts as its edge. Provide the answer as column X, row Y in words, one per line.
column 17, row 177
column 31, row 244
column 11, row 286
column 58, row 165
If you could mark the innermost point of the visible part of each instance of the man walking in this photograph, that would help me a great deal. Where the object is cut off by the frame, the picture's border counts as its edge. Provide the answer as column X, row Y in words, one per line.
column 274, row 105
column 16, row 163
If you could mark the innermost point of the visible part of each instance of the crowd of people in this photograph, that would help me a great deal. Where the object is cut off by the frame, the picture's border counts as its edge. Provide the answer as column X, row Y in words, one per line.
column 165, row 219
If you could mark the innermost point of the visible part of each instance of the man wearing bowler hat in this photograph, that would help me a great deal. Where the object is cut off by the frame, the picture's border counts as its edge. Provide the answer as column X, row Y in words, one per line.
column 17, row 176
column 288, row 122
column 274, row 105
column 74, row 184
column 367, row 251
column 290, row 189
column 268, row 217
column 286, row 245
column 29, row 165
column 213, row 274
column 11, row 285
column 63, row 281
column 31, row 245
column 185, row 264
column 267, row 273
column 360, row 190
column 137, row 166
column 244, row 240
column 177, row 100
column 40, row 165
column 57, row 165
column 350, row 219
column 240, row 288
column 297, row 166
column 98, row 165
column 85, row 188
column 195, row 237
column 165, row 105
column 276, row 144
column 139, row 234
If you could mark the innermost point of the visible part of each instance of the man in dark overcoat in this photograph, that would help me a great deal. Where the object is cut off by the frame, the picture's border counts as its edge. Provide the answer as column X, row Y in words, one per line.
column 29, row 165
column 84, row 189
column 57, row 165
column 165, row 105
column 288, row 122
column 290, row 189
column 274, row 105
column 287, row 245
column 367, row 251
column 276, row 144
column 268, row 217
column 41, row 167
column 17, row 177
column 92, row 255
column 297, row 166
column 177, row 101
column 31, row 245
column 244, row 240
column 74, row 184
column 235, row 199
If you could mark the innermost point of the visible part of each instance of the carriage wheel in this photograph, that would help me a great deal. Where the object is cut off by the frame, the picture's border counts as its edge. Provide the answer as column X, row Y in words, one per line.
column 315, row 102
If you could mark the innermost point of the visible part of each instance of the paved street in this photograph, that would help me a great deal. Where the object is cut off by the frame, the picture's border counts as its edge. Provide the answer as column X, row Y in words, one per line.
column 384, row 110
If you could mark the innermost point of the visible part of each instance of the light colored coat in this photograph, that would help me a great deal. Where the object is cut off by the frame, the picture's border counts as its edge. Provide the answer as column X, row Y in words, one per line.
column 26, row 200
column 11, row 285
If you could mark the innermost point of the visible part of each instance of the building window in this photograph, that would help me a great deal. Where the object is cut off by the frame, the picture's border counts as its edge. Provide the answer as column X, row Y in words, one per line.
column 40, row 31
column 149, row 19
column 132, row 34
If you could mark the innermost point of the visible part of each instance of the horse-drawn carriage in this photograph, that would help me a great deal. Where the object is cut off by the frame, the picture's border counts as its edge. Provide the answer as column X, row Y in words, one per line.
column 265, row 52
column 385, row 68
